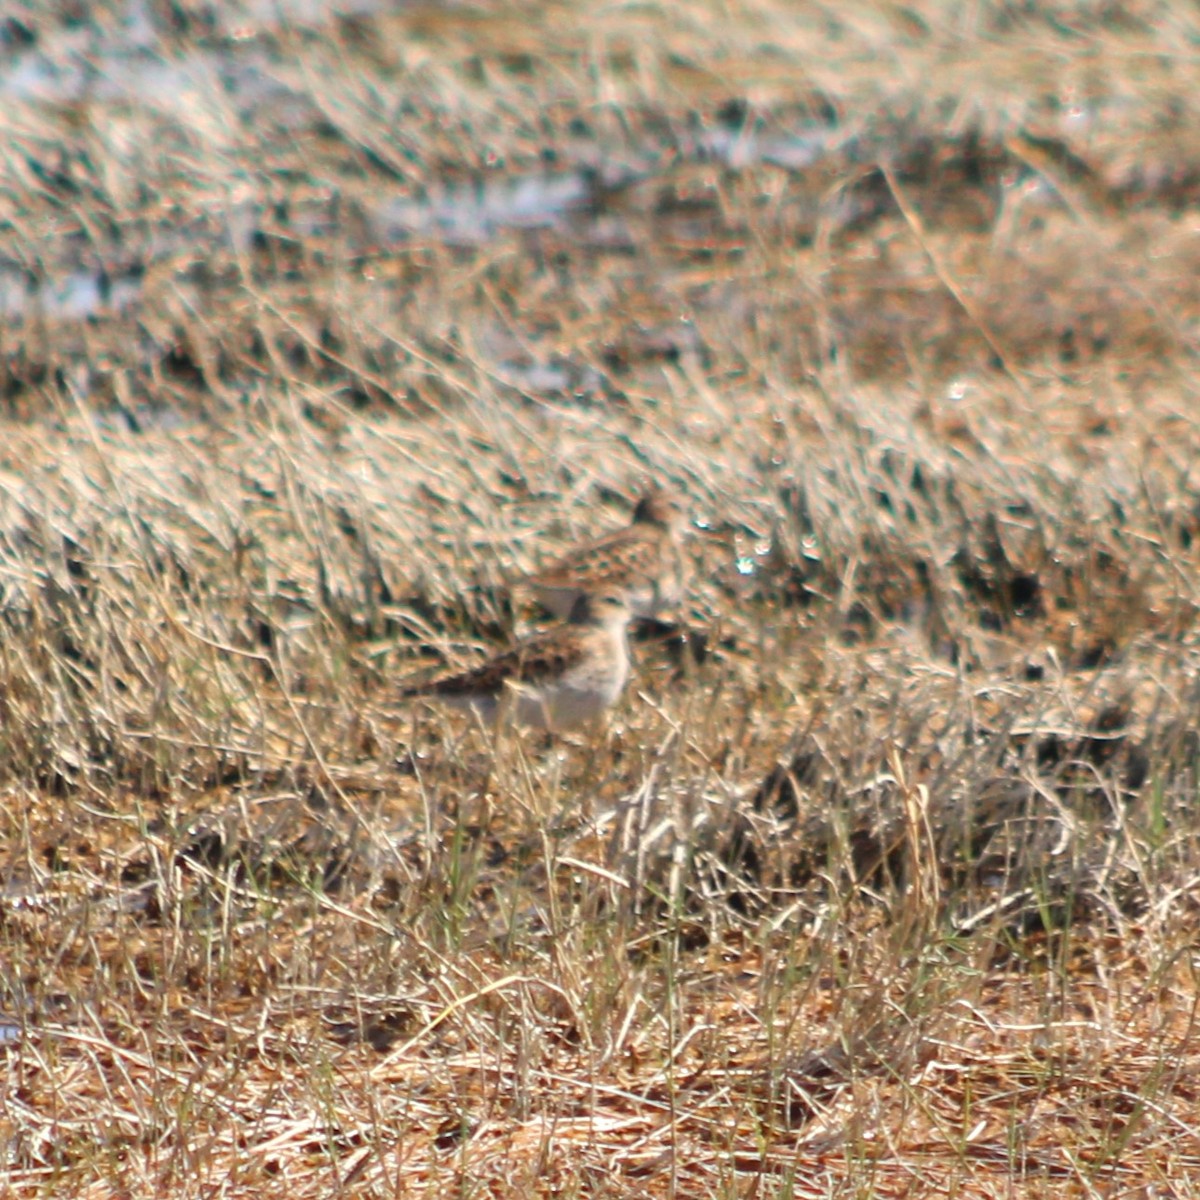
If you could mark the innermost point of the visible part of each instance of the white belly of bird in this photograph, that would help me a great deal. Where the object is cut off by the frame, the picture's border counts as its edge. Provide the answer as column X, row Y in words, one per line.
column 580, row 694
column 578, row 697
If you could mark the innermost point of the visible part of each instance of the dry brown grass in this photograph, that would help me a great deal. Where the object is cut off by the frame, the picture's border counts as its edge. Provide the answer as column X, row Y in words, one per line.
column 882, row 880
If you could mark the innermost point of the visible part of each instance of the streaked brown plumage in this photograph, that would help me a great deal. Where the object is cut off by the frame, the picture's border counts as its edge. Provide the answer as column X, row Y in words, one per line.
column 644, row 562
column 556, row 679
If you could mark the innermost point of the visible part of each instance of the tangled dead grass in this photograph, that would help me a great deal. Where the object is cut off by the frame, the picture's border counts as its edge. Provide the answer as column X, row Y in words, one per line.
column 882, row 881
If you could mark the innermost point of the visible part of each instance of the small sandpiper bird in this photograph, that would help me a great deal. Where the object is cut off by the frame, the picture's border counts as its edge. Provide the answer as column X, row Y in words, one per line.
column 557, row 679
column 644, row 562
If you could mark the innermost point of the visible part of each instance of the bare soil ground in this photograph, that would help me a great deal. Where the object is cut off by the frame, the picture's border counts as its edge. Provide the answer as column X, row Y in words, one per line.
column 318, row 327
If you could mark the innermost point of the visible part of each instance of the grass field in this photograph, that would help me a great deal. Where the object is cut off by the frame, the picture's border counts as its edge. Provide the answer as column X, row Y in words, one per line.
column 318, row 328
